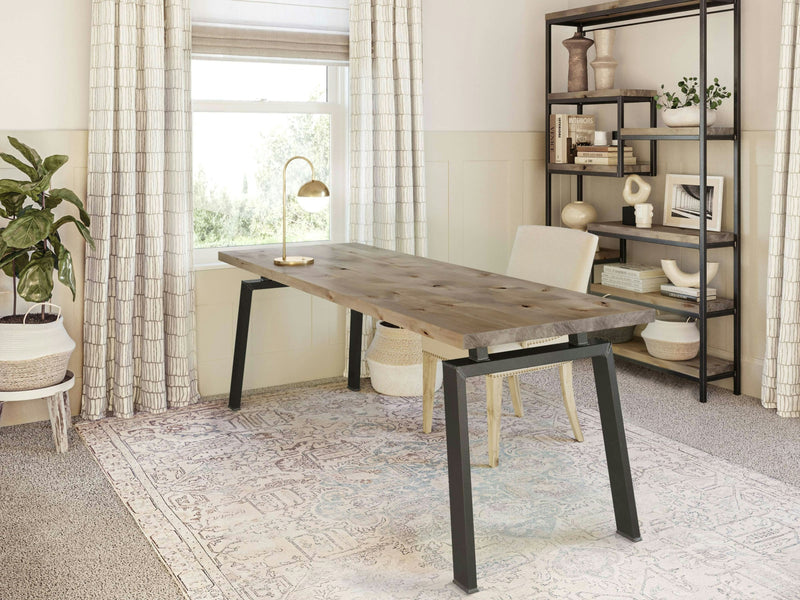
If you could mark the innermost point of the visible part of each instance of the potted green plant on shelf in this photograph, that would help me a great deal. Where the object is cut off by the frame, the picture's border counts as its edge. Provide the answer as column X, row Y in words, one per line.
column 682, row 108
column 36, row 347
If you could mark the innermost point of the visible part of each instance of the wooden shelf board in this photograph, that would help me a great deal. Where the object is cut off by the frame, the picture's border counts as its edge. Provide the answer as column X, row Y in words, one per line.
column 660, row 234
column 615, row 93
column 722, row 132
column 657, row 300
column 620, row 10
column 637, row 351
column 589, row 169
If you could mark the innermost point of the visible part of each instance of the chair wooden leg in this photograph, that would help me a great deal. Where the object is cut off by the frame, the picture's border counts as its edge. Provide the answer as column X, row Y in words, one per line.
column 494, row 406
column 567, row 392
column 516, row 396
column 428, row 385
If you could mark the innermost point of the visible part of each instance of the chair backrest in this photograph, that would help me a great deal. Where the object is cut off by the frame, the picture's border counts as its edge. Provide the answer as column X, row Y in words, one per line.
column 553, row 255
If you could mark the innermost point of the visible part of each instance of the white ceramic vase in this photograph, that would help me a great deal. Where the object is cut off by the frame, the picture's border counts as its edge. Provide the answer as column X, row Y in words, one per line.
column 604, row 65
column 687, row 116
column 33, row 356
column 671, row 337
column 683, row 279
column 577, row 215
column 394, row 359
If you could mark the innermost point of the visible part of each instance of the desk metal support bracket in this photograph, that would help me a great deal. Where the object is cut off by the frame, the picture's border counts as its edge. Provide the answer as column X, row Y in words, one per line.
column 455, row 374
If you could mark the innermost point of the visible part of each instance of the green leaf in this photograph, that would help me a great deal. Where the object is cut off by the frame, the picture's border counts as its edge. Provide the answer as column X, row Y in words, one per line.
column 36, row 279
column 54, row 163
column 68, row 195
column 11, row 185
column 14, row 161
column 29, row 229
column 66, row 274
column 29, row 153
column 14, row 262
column 12, row 203
column 84, row 231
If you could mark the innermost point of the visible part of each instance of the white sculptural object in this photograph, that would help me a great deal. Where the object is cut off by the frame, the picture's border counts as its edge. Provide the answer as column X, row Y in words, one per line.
column 682, row 279
column 577, row 215
column 644, row 215
column 642, row 193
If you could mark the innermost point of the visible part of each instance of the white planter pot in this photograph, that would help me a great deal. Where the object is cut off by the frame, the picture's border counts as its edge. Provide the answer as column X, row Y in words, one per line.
column 395, row 362
column 672, row 338
column 33, row 356
column 687, row 116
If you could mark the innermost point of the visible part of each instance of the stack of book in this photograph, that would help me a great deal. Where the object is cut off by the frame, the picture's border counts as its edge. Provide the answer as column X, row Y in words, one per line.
column 634, row 278
column 687, row 293
column 603, row 155
column 568, row 132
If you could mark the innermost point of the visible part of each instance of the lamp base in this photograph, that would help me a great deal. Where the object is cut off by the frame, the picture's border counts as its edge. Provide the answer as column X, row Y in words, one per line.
column 293, row 261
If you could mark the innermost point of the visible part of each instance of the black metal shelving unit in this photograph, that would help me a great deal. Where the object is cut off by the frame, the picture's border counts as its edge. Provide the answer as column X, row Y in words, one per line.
column 704, row 368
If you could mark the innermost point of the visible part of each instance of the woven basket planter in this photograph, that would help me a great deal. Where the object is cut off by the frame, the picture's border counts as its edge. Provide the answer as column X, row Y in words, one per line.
column 395, row 361
column 33, row 356
column 672, row 338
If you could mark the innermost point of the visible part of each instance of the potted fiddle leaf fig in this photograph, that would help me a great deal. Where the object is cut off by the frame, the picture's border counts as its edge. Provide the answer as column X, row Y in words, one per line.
column 36, row 347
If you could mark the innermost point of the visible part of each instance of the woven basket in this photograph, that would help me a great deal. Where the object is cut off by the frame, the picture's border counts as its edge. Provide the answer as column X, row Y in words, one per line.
column 672, row 338
column 672, row 350
column 33, row 356
column 17, row 376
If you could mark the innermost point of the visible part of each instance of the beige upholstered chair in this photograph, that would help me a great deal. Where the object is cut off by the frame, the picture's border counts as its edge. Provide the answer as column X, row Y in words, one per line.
column 550, row 255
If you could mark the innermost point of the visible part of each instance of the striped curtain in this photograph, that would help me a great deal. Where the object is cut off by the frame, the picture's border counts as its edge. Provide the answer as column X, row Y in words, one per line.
column 780, row 386
column 138, row 309
column 387, row 200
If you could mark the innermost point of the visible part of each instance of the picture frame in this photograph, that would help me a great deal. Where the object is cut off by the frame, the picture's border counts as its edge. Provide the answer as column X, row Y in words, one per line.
column 682, row 203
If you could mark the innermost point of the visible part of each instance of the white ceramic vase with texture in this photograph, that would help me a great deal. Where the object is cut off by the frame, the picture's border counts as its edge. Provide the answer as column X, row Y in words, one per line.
column 604, row 65
column 577, row 215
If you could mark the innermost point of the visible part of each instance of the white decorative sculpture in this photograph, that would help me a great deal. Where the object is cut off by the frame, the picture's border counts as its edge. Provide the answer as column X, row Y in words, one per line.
column 681, row 279
column 644, row 215
column 642, row 193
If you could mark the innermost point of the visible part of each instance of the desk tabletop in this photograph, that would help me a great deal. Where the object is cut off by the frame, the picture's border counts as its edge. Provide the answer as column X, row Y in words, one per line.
column 460, row 306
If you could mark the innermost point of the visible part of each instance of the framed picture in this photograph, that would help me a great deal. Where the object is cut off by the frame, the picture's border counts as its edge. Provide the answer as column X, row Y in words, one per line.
column 682, row 204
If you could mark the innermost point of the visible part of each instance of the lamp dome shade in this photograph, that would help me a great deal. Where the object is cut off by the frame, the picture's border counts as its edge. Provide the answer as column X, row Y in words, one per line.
column 313, row 189
column 310, row 196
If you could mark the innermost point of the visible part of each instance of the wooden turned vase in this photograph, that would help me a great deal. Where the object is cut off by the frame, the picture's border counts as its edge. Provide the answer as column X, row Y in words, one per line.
column 577, row 46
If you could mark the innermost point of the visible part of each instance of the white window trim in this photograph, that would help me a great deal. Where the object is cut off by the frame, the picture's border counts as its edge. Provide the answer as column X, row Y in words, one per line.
column 336, row 107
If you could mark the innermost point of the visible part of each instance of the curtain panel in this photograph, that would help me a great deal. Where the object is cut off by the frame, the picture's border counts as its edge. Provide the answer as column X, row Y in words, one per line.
column 139, row 295
column 780, row 388
column 387, row 170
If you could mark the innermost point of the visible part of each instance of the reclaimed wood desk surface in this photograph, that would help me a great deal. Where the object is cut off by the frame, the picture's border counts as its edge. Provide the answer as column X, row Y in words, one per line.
column 463, row 307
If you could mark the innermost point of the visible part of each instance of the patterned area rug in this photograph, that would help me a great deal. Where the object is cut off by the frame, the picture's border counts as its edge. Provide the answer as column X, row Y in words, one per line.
column 320, row 493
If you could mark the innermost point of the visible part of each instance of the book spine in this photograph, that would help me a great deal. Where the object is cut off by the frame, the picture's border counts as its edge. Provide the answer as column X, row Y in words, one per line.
column 590, row 160
column 590, row 154
column 552, row 139
column 686, row 296
column 561, row 148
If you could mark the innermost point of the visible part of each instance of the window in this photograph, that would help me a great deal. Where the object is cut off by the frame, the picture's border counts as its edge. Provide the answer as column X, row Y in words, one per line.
column 250, row 117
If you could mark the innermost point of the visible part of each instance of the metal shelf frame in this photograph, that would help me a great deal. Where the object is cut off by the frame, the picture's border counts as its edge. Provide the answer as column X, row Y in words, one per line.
column 605, row 16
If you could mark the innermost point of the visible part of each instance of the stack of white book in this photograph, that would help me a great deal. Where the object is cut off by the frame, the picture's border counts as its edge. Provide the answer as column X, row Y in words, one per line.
column 687, row 293
column 634, row 278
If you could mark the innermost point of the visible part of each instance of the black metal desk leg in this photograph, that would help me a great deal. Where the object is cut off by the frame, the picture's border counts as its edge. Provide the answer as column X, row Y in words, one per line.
column 354, row 357
column 619, row 468
column 462, row 528
column 240, row 346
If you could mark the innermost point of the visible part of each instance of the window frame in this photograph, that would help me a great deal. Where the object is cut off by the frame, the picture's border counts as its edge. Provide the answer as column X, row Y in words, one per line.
column 336, row 107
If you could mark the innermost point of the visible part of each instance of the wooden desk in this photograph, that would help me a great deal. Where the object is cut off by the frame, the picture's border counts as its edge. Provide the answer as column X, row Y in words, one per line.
column 469, row 309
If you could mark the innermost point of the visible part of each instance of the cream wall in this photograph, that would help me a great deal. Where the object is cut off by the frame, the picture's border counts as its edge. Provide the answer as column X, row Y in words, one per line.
column 484, row 81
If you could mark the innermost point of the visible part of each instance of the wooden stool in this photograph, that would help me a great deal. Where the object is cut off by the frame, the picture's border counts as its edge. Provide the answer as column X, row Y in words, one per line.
column 57, row 405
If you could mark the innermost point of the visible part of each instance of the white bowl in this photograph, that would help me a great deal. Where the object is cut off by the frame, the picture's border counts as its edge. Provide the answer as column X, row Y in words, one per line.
column 672, row 338
column 687, row 116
